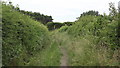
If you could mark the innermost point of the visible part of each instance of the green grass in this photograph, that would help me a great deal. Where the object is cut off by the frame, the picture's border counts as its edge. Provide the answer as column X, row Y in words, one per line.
column 82, row 52
column 48, row 57
column 91, row 41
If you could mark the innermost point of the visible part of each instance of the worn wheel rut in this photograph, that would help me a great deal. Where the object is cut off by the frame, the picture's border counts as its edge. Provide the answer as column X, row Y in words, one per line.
column 64, row 58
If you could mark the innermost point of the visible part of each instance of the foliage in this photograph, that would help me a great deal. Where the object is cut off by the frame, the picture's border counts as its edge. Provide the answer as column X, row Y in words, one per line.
column 22, row 37
column 44, row 19
column 104, row 27
column 68, row 23
column 54, row 25
column 37, row 16
column 91, row 12
column 48, row 57
column 118, row 30
column 57, row 25
column 91, row 40
column 112, row 9
column 83, row 52
column 83, row 26
column 63, row 29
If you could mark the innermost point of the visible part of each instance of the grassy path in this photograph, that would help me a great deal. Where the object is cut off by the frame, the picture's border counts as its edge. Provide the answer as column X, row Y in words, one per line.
column 64, row 58
column 67, row 51
column 61, row 40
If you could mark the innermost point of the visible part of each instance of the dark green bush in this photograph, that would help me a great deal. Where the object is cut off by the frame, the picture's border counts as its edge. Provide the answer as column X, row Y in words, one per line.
column 54, row 25
column 22, row 37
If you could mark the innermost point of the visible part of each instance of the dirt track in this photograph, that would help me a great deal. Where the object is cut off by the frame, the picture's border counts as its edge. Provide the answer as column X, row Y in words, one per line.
column 64, row 58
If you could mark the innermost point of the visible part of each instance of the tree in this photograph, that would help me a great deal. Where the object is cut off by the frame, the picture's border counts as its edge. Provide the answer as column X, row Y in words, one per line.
column 68, row 23
column 112, row 9
column 118, row 24
column 119, row 6
column 91, row 12
column 54, row 25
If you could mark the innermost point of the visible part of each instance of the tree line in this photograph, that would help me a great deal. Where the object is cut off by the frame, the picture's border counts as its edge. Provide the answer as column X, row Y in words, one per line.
column 44, row 19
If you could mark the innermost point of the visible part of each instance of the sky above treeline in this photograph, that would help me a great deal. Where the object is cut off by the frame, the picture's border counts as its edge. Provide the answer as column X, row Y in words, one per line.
column 64, row 10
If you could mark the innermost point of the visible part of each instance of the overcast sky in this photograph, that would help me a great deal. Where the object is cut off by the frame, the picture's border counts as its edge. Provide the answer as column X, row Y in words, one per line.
column 64, row 10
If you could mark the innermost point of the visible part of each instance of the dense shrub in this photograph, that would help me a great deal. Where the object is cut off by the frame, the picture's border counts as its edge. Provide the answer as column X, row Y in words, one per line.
column 22, row 36
column 54, row 25
column 102, row 27
column 63, row 29
column 83, row 26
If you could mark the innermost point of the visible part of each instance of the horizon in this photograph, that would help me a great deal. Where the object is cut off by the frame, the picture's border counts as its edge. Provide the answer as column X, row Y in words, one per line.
column 64, row 10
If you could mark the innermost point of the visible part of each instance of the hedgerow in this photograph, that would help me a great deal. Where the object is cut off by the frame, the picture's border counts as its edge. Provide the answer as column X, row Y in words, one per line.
column 22, row 36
